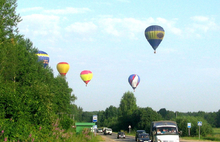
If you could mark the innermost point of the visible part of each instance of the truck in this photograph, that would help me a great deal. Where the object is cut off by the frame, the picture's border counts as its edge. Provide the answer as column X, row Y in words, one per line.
column 164, row 131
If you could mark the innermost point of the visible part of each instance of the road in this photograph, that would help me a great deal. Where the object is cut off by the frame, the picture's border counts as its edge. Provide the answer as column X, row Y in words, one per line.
column 113, row 138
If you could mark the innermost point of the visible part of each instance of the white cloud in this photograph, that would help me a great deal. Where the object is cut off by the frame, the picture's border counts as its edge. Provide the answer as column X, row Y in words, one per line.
column 82, row 27
column 68, row 10
column 40, row 25
column 203, row 24
column 132, row 27
column 170, row 25
column 200, row 18
column 30, row 9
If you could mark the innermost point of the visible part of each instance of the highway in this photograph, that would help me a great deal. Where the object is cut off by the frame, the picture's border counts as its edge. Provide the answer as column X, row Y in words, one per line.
column 113, row 138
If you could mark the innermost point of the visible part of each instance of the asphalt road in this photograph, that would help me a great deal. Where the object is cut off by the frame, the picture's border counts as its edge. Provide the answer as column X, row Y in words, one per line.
column 113, row 138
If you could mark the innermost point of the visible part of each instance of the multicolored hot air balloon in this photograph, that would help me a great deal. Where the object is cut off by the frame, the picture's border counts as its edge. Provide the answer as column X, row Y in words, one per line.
column 134, row 80
column 43, row 56
column 154, row 34
column 86, row 76
column 63, row 68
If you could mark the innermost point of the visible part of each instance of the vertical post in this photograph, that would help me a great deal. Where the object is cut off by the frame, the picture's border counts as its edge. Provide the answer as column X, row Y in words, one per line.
column 129, row 128
column 189, row 131
column 199, row 132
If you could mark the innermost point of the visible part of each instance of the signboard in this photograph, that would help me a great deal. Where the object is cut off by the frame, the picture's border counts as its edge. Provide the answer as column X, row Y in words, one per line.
column 95, row 118
column 199, row 123
column 188, row 125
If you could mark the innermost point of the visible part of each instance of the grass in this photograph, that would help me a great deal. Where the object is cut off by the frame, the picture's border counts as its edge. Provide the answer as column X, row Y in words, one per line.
column 214, row 137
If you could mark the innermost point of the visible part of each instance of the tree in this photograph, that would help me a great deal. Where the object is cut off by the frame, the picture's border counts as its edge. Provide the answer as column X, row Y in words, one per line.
column 163, row 112
column 111, row 111
column 8, row 20
column 126, row 108
column 218, row 119
column 142, row 118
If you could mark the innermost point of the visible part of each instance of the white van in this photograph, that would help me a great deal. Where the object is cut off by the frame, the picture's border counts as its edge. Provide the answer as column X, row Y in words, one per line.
column 164, row 131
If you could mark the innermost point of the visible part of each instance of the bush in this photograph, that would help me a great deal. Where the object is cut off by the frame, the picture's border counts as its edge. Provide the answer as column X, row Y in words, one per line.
column 66, row 122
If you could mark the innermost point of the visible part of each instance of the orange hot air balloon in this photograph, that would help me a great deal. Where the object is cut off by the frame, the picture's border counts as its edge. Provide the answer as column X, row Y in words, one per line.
column 63, row 68
column 86, row 76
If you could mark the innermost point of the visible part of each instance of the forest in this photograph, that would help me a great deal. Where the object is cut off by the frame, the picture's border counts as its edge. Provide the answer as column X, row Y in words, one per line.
column 34, row 103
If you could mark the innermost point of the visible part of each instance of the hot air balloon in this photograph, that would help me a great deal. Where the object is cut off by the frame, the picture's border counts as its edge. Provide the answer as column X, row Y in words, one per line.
column 86, row 76
column 63, row 68
column 43, row 56
column 134, row 80
column 154, row 34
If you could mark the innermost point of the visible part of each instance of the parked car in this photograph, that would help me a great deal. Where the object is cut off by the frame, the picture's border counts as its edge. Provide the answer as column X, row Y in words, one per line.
column 99, row 130
column 108, row 131
column 121, row 135
column 144, row 137
column 139, row 132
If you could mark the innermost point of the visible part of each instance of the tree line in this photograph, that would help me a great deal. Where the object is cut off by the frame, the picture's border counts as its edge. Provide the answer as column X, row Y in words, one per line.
column 128, row 113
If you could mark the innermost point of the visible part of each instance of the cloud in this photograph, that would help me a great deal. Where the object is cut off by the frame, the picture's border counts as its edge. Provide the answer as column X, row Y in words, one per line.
column 44, row 26
column 30, row 9
column 200, row 18
column 131, row 27
column 203, row 24
column 82, row 27
column 170, row 25
column 68, row 10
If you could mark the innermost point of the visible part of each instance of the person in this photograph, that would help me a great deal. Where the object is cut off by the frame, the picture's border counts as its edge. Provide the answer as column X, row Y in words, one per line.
column 163, row 131
column 158, row 131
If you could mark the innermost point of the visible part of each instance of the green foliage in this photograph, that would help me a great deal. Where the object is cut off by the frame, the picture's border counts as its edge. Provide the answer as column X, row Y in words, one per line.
column 66, row 122
column 30, row 96
column 126, row 108
column 205, row 129
column 142, row 118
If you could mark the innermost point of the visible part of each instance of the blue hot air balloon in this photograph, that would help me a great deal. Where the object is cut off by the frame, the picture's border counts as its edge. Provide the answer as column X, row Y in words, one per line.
column 134, row 80
column 154, row 34
column 43, row 56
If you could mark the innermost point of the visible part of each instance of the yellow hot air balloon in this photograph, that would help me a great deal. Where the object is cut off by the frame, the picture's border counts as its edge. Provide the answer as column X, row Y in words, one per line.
column 63, row 68
column 86, row 76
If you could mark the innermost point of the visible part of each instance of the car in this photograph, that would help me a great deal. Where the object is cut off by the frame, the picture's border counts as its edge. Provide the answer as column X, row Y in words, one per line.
column 99, row 130
column 108, row 131
column 121, row 135
column 143, row 137
column 139, row 132
column 103, row 129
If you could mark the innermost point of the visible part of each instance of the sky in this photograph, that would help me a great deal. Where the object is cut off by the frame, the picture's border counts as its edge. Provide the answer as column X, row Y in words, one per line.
column 107, row 38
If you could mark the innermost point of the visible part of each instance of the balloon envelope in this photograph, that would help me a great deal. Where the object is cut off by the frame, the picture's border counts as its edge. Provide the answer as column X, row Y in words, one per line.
column 63, row 68
column 154, row 34
column 86, row 76
column 134, row 80
column 43, row 56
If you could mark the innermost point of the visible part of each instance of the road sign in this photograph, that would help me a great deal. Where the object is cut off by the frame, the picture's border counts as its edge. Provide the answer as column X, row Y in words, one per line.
column 188, row 125
column 95, row 118
column 199, row 123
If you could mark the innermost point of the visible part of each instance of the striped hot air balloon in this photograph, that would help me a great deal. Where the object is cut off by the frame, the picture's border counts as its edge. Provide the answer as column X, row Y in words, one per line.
column 154, row 34
column 86, row 76
column 63, row 68
column 134, row 80
column 43, row 56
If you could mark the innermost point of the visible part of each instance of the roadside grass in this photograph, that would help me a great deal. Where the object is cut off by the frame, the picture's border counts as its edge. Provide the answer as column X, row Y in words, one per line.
column 214, row 137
